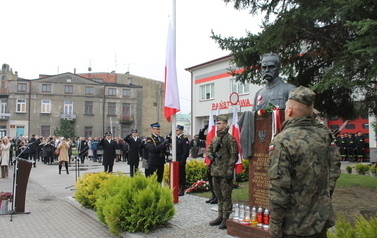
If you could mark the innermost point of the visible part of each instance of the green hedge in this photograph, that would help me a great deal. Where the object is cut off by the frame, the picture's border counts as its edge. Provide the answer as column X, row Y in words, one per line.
column 131, row 204
column 362, row 229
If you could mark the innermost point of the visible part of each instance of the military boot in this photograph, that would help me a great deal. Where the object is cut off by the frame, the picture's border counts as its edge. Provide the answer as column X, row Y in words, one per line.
column 216, row 222
column 223, row 224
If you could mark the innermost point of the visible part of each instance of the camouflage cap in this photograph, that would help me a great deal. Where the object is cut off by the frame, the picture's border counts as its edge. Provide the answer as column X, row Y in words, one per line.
column 222, row 118
column 303, row 95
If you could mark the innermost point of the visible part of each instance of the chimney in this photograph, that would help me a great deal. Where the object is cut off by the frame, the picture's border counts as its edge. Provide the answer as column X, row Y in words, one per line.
column 74, row 71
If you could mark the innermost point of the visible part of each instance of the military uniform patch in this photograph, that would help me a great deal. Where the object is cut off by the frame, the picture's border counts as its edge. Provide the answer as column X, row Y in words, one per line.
column 271, row 147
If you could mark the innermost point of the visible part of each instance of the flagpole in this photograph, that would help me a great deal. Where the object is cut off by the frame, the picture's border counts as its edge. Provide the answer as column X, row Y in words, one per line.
column 173, row 117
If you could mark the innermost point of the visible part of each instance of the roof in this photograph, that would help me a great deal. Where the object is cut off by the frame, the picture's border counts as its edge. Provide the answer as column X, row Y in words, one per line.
column 210, row 62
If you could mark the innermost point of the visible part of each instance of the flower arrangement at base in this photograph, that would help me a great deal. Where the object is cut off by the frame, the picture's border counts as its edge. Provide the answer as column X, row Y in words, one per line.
column 5, row 196
column 269, row 109
column 198, row 186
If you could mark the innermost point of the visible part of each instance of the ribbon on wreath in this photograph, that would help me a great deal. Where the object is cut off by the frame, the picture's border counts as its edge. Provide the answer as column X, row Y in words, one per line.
column 276, row 122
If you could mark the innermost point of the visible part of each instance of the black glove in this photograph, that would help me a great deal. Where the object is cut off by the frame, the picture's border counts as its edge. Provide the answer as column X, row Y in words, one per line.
column 166, row 142
column 229, row 178
column 211, row 157
column 205, row 127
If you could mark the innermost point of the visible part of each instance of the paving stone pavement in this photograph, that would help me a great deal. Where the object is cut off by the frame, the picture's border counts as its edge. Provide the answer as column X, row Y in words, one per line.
column 54, row 213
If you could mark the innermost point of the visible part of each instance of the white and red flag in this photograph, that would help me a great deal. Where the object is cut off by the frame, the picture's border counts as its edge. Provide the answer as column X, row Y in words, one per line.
column 236, row 134
column 211, row 133
column 171, row 105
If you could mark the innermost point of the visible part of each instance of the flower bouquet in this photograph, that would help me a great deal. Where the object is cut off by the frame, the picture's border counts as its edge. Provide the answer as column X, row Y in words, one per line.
column 269, row 109
column 198, row 186
column 5, row 196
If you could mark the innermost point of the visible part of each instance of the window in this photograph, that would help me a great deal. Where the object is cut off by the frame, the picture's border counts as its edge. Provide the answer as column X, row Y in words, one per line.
column 68, row 107
column 126, row 92
column 365, row 126
column 334, row 118
column 207, row 91
column 46, row 88
column 350, row 126
column 89, row 90
column 21, row 87
column 112, row 130
column 88, row 131
column 126, row 109
column 112, row 92
column 88, row 108
column 3, row 107
column 21, row 105
column 125, row 131
column 45, row 131
column 239, row 87
column 68, row 89
column 111, row 108
column 46, row 106
column 334, row 127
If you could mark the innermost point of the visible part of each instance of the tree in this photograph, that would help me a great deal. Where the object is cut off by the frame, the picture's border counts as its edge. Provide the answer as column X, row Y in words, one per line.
column 329, row 46
column 67, row 130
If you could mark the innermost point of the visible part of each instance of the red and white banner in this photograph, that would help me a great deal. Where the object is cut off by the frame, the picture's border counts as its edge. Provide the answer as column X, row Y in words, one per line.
column 236, row 133
column 171, row 105
column 211, row 133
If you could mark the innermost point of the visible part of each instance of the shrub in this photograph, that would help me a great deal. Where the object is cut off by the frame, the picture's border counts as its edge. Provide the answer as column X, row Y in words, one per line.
column 362, row 169
column 349, row 169
column 373, row 169
column 363, row 228
column 195, row 170
column 86, row 187
column 244, row 175
column 133, row 204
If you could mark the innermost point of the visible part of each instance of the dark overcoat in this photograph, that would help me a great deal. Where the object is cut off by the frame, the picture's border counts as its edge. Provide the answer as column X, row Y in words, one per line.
column 108, row 151
column 134, row 150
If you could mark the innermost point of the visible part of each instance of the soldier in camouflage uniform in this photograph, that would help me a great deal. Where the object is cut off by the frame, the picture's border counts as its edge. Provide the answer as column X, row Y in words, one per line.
column 304, row 166
column 223, row 152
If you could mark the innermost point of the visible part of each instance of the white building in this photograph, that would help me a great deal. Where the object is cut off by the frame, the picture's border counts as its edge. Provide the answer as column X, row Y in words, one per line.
column 212, row 86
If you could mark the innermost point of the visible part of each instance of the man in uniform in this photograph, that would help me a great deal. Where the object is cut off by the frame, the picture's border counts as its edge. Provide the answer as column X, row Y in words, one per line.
column 157, row 147
column 183, row 148
column 359, row 145
column 109, row 154
column 223, row 152
column 276, row 91
column 304, row 166
column 134, row 152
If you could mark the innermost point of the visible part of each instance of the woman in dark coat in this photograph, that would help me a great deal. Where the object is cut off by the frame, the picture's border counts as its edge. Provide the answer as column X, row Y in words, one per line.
column 83, row 149
column 134, row 152
column 109, row 154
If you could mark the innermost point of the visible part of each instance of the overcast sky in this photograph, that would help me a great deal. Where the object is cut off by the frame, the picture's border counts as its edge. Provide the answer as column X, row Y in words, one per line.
column 52, row 37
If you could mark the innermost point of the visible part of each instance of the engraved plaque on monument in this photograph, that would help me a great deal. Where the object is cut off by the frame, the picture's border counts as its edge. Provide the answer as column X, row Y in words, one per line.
column 258, row 179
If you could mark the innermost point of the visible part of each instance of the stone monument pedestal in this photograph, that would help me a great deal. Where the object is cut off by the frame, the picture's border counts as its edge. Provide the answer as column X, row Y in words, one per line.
column 258, row 179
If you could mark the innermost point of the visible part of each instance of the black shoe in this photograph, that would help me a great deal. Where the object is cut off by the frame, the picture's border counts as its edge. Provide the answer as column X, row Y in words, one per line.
column 181, row 194
column 223, row 224
column 216, row 222
column 210, row 200
column 214, row 201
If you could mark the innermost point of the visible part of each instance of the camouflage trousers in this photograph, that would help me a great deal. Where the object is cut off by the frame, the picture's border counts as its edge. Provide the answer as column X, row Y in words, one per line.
column 223, row 192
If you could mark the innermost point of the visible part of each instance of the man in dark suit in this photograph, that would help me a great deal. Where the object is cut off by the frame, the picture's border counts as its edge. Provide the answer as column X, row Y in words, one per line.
column 183, row 148
column 134, row 151
column 108, row 152
column 157, row 147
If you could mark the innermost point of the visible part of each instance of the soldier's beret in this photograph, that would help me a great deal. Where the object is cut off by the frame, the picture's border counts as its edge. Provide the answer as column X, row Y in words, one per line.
column 156, row 124
column 134, row 131
column 302, row 95
column 222, row 118
column 108, row 133
column 179, row 127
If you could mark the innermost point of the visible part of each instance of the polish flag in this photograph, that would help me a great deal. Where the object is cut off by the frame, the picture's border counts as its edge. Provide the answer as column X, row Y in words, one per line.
column 171, row 105
column 236, row 134
column 211, row 133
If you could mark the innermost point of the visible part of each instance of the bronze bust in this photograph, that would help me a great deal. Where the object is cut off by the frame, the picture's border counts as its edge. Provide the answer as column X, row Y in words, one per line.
column 275, row 91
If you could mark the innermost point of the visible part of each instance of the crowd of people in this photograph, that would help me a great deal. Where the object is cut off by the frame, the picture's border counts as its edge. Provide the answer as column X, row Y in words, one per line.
column 351, row 147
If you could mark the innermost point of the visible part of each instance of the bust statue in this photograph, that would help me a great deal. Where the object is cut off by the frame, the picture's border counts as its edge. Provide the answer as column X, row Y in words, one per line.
column 275, row 91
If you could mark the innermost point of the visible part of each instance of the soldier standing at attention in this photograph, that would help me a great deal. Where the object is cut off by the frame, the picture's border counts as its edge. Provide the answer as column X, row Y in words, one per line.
column 156, row 152
column 223, row 152
column 183, row 149
column 303, row 169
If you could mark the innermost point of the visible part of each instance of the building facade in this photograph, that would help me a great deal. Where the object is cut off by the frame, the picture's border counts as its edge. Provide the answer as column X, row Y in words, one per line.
column 92, row 105
column 212, row 89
